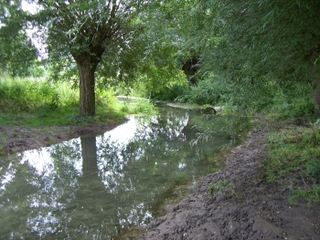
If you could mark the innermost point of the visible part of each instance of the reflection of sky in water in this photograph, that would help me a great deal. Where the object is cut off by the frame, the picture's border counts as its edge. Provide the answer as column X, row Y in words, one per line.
column 123, row 133
column 42, row 161
column 64, row 189
column 7, row 177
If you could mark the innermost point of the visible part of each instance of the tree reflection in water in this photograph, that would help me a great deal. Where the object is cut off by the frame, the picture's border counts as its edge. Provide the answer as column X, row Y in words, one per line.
column 96, row 187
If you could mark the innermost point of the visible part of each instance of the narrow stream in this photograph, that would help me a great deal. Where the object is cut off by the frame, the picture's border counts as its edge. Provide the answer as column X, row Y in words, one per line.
column 98, row 187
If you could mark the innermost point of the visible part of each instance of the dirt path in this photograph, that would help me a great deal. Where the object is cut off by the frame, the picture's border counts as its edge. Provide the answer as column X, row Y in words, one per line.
column 246, row 207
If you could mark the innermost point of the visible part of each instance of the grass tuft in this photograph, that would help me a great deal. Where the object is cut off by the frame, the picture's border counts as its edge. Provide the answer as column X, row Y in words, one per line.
column 295, row 151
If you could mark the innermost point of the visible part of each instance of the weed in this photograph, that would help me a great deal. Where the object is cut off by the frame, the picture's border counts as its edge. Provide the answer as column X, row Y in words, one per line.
column 51, row 140
column 295, row 151
column 313, row 167
column 3, row 137
column 222, row 186
column 311, row 195
column 291, row 149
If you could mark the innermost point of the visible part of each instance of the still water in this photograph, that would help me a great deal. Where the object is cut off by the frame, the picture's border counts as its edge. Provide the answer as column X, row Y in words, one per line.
column 97, row 187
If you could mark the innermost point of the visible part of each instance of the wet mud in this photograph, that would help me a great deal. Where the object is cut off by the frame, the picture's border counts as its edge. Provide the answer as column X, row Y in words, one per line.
column 245, row 206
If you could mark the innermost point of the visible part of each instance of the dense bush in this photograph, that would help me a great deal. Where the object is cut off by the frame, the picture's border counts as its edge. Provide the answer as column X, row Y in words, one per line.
column 210, row 91
column 169, row 93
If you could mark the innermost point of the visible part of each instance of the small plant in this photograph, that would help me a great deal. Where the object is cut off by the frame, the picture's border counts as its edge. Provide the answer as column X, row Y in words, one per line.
column 295, row 152
column 3, row 137
column 51, row 140
column 313, row 167
column 222, row 186
column 312, row 195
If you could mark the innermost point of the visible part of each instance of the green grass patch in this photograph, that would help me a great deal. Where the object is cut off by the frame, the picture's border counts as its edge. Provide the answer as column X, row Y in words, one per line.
column 295, row 151
column 37, row 102
column 19, row 95
column 311, row 194
column 144, row 107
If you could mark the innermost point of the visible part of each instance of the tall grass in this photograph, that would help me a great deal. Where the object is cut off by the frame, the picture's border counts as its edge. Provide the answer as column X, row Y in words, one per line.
column 28, row 95
column 35, row 101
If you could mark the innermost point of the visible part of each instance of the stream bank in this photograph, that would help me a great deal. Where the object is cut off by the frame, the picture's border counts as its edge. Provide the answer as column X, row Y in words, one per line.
column 18, row 139
column 245, row 206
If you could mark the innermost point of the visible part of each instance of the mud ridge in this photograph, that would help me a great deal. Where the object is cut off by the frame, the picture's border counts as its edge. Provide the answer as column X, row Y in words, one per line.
column 246, row 207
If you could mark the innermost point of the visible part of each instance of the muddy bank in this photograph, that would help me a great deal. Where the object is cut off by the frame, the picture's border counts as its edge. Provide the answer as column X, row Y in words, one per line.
column 17, row 139
column 245, row 204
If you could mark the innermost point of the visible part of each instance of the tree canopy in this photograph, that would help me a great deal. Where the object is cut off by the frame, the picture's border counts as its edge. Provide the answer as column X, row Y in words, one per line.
column 258, row 49
column 87, row 31
column 17, row 52
column 247, row 51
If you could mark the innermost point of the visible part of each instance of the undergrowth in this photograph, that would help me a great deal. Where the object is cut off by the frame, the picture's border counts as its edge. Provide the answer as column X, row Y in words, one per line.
column 295, row 151
column 37, row 102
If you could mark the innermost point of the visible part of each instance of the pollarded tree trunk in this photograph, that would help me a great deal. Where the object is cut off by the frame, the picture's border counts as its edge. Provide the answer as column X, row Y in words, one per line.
column 86, row 69
column 89, row 155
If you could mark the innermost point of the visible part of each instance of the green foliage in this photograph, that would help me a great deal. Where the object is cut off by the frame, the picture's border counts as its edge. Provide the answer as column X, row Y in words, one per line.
column 25, row 95
column 17, row 55
column 313, row 167
column 38, row 69
column 36, row 102
column 312, row 195
column 229, row 123
column 260, row 52
column 143, row 107
column 106, row 98
column 252, row 54
column 210, row 91
column 295, row 151
column 111, row 34
column 293, row 102
column 17, row 52
column 291, row 150
column 169, row 93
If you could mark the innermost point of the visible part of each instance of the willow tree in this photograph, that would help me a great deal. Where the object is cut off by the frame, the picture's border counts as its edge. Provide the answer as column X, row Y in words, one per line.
column 87, row 30
column 265, row 44
column 17, row 52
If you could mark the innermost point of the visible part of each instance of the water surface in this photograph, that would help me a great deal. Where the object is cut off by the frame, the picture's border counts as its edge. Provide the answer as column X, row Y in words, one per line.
column 97, row 187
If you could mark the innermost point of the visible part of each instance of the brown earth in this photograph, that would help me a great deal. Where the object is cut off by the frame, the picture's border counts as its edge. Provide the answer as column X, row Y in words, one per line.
column 248, row 206
column 17, row 139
